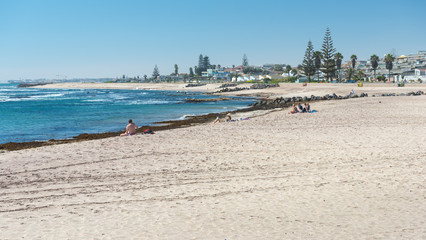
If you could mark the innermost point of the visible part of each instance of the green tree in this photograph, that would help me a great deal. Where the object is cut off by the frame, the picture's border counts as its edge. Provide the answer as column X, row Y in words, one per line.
column 308, row 64
column 176, row 69
column 155, row 73
column 278, row 68
column 191, row 72
column 374, row 59
column 381, row 78
column 145, row 77
column 288, row 68
column 338, row 57
column 251, row 70
column 200, row 65
column 206, row 63
column 293, row 72
column 329, row 65
column 359, row 76
column 350, row 73
column 389, row 63
column 353, row 60
column 317, row 59
column 245, row 61
column 234, row 75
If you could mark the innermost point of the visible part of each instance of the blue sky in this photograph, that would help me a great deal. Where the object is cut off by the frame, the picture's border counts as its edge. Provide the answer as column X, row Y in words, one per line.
column 101, row 38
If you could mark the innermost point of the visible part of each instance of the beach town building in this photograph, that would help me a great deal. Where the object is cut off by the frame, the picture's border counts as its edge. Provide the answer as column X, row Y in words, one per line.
column 416, row 75
column 405, row 68
column 234, row 69
column 217, row 74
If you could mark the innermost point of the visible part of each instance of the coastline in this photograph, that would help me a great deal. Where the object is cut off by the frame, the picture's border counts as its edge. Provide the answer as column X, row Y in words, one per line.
column 159, row 126
column 266, row 97
column 284, row 89
column 353, row 170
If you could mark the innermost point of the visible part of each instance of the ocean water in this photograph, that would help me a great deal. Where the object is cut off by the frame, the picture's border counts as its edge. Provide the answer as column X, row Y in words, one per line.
column 29, row 114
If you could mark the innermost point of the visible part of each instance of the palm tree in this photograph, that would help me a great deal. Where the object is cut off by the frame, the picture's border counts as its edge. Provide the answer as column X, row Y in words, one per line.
column 317, row 60
column 353, row 59
column 349, row 73
column 389, row 62
column 234, row 75
column 338, row 57
column 374, row 59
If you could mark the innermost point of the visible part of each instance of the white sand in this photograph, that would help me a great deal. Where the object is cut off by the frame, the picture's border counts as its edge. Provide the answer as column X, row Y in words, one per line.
column 354, row 170
column 285, row 89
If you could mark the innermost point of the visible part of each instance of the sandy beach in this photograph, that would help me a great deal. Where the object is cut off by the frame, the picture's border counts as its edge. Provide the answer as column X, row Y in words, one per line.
column 352, row 170
column 284, row 90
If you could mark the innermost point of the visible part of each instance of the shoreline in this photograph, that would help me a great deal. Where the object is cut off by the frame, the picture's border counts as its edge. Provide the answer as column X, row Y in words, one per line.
column 264, row 96
column 160, row 126
column 353, row 170
column 284, row 89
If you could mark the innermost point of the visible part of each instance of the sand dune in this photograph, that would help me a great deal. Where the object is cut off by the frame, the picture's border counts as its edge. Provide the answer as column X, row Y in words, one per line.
column 353, row 170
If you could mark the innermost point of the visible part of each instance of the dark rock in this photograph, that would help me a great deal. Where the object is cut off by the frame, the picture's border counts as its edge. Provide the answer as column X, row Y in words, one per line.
column 195, row 84
column 232, row 89
column 227, row 85
column 25, row 85
column 263, row 86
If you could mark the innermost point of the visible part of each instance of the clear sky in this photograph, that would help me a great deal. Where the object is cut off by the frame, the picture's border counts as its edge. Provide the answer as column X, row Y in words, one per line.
column 102, row 38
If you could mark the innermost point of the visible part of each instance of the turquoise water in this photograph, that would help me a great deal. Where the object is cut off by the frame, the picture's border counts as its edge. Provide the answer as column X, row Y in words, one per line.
column 28, row 114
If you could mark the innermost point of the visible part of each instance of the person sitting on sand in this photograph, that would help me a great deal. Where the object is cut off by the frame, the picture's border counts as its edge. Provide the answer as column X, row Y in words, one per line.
column 307, row 107
column 294, row 109
column 216, row 120
column 228, row 117
column 130, row 129
column 300, row 108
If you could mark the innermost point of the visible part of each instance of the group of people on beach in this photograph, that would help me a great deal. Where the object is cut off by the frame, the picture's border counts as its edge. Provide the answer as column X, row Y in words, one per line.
column 299, row 108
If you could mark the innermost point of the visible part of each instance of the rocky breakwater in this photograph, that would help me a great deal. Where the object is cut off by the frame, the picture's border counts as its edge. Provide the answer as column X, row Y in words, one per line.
column 232, row 89
column 287, row 102
column 254, row 86
column 194, row 85
column 263, row 86
column 227, row 85
column 25, row 85
column 418, row 93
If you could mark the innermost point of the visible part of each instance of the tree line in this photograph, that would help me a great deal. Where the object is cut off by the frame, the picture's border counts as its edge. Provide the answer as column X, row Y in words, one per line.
column 329, row 61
